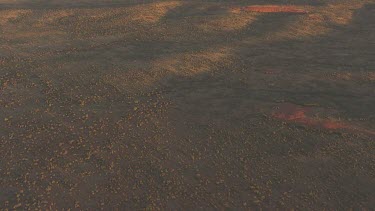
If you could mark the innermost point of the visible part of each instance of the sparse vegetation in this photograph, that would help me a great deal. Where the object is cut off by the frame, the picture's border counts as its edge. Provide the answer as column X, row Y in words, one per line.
column 132, row 104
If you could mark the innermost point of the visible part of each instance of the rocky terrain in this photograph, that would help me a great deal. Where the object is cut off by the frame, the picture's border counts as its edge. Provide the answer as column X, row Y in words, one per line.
column 187, row 104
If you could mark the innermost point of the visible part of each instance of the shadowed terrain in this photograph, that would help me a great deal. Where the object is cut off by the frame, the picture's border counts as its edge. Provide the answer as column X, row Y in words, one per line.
column 187, row 104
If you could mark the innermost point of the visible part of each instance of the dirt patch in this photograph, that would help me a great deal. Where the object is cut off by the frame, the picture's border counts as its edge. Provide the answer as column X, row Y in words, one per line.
column 308, row 116
column 180, row 104
column 274, row 9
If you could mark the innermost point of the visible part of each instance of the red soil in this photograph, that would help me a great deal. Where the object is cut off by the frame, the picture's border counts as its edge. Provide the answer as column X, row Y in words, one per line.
column 298, row 114
column 274, row 9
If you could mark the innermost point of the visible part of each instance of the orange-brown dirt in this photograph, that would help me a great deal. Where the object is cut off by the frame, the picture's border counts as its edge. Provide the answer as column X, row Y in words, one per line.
column 299, row 114
column 187, row 105
column 273, row 9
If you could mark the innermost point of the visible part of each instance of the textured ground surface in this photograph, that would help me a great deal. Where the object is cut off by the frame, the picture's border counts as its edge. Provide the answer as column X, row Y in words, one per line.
column 187, row 104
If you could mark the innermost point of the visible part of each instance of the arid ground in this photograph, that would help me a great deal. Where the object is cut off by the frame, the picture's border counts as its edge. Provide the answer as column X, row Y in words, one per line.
column 187, row 104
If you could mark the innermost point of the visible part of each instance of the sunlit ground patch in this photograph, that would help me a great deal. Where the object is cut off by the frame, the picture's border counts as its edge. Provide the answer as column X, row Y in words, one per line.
column 230, row 22
column 273, row 9
column 320, row 20
column 306, row 116
column 7, row 16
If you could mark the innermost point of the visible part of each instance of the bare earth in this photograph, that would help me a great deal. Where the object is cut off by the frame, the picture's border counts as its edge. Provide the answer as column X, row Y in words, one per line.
column 187, row 104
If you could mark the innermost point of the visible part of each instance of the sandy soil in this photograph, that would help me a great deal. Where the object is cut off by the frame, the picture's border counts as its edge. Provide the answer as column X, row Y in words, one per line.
column 187, row 104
